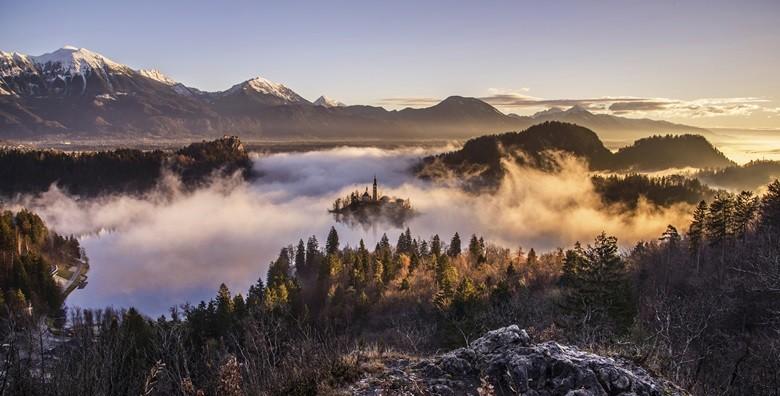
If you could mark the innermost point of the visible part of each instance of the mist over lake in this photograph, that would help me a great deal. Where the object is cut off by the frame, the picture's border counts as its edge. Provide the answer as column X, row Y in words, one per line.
column 171, row 247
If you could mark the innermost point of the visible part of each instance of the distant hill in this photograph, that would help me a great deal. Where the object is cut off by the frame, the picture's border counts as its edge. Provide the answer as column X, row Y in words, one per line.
column 669, row 151
column 749, row 176
column 74, row 93
column 479, row 160
column 614, row 128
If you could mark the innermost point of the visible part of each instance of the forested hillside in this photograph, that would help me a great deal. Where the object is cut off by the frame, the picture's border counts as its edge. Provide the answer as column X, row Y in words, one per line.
column 699, row 307
column 29, row 256
column 479, row 161
column 117, row 171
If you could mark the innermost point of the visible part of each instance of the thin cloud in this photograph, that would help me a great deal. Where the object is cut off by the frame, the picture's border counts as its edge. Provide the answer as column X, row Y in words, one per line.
column 618, row 105
column 409, row 102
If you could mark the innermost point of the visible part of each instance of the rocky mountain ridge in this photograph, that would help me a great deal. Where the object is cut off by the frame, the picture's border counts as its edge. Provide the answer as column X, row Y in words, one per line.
column 75, row 93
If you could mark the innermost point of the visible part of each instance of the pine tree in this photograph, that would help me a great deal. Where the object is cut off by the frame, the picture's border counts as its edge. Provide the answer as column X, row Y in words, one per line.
column 720, row 226
column 332, row 243
column 454, row 250
column 279, row 270
column 300, row 259
column 770, row 209
column 475, row 251
column 745, row 208
column 224, row 310
column 596, row 285
column 696, row 232
column 313, row 256
column 436, row 246
column 670, row 236
column 572, row 265
column 531, row 261
column 256, row 295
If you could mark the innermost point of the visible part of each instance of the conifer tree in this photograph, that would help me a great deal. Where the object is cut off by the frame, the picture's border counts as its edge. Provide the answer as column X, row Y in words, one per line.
column 454, row 250
column 300, row 258
column 332, row 243
column 696, row 231
column 596, row 284
column 531, row 260
column 770, row 210
column 746, row 205
column 475, row 251
column 436, row 246
column 256, row 294
column 719, row 226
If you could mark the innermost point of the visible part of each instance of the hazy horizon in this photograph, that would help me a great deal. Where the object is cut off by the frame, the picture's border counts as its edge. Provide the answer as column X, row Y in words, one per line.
column 707, row 64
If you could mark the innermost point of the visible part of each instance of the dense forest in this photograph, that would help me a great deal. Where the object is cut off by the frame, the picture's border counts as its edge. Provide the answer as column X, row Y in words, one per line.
column 117, row 171
column 662, row 191
column 29, row 254
column 699, row 307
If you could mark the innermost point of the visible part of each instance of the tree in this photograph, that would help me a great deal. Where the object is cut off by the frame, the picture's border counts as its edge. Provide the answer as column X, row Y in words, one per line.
column 332, row 243
column 224, row 310
column 474, row 250
column 745, row 209
column 300, row 258
column 465, row 297
column 256, row 294
column 404, row 244
column 279, row 270
column 770, row 209
column 313, row 257
column 696, row 232
column 596, row 285
column 454, row 250
column 670, row 236
column 719, row 226
column 532, row 260
column 436, row 246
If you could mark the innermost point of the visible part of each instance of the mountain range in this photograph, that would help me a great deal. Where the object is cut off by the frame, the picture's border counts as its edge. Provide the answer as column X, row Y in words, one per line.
column 79, row 94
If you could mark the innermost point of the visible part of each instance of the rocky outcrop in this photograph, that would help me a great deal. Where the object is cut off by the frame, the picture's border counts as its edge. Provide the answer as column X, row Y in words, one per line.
column 506, row 362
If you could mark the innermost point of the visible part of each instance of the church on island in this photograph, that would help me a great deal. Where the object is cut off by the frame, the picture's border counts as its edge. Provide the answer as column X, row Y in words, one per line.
column 355, row 200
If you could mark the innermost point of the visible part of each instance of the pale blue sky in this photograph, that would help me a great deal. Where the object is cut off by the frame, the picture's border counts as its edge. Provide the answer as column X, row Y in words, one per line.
column 398, row 53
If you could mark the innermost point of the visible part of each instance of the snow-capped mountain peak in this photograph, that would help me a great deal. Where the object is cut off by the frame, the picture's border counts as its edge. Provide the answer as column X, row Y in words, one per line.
column 72, row 60
column 264, row 86
column 14, row 63
column 325, row 101
column 157, row 75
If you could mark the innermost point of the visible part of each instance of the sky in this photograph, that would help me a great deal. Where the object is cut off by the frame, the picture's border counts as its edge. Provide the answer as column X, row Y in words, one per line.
column 707, row 63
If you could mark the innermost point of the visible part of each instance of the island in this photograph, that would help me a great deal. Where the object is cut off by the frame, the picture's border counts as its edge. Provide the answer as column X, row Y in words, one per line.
column 366, row 209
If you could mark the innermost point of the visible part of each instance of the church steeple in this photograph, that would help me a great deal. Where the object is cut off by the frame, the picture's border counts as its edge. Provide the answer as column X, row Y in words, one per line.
column 374, row 196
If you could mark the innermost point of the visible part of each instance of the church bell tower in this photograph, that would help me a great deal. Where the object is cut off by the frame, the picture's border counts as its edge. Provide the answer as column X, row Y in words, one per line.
column 374, row 196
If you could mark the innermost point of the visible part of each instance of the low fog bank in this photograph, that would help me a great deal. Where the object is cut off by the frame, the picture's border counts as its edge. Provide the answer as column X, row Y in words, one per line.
column 171, row 247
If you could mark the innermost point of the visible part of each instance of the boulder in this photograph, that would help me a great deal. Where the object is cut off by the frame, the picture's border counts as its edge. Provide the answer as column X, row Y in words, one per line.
column 506, row 362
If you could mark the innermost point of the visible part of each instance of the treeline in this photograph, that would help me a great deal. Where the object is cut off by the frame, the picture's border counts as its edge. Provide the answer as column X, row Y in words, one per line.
column 28, row 256
column 116, row 171
column 749, row 176
column 662, row 191
column 699, row 307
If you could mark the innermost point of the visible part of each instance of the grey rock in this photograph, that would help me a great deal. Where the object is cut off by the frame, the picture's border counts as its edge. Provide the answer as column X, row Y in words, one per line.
column 507, row 360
